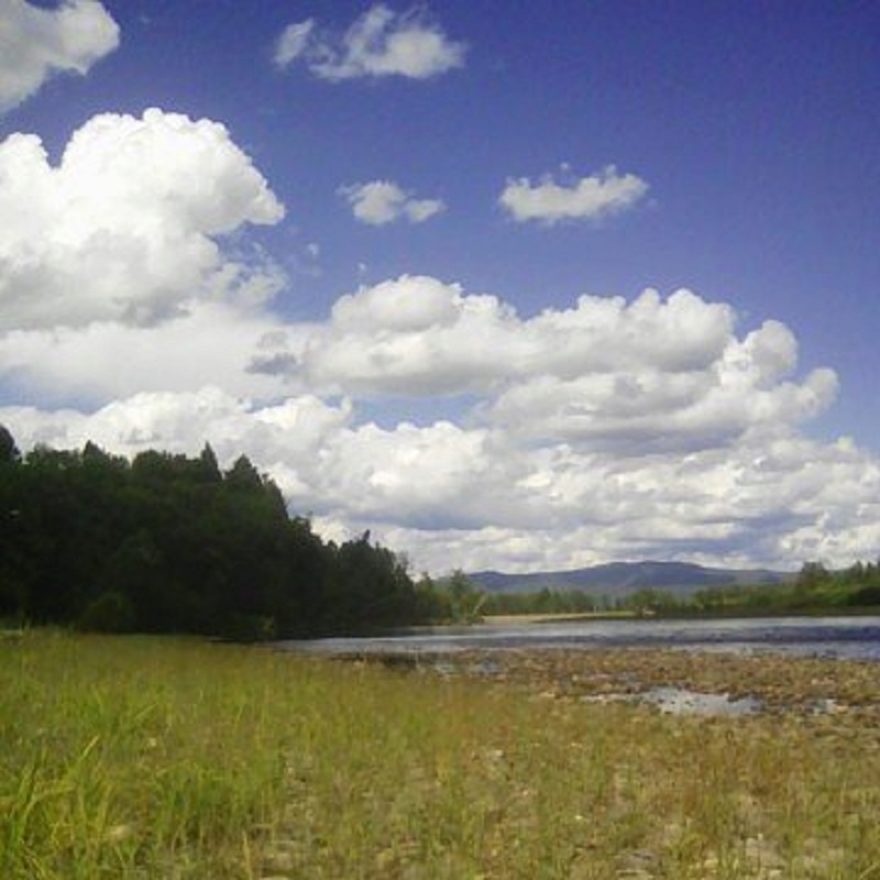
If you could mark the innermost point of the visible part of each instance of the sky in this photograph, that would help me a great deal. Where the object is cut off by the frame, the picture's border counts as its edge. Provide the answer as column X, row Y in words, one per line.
column 513, row 286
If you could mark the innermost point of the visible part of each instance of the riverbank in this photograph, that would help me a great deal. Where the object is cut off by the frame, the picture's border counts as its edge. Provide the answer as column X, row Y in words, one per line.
column 522, row 619
column 682, row 615
column 158, row 758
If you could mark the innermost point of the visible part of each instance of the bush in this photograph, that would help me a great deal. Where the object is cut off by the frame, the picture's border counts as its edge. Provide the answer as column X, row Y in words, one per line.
column 865, row 597
column 110, row 613
column 250, row 628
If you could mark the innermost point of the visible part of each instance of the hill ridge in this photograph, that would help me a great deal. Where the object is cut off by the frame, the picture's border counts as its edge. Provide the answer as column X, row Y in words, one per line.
column 623, row 578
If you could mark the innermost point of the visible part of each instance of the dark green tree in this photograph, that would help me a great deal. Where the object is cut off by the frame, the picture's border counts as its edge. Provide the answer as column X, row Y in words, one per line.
column 9, row 453
column 169, row 543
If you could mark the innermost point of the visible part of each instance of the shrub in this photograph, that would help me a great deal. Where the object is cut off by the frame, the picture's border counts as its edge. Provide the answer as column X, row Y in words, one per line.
column 111, row 612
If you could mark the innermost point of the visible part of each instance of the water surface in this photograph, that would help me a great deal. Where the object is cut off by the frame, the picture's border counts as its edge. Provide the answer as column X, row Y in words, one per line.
column 843, row 637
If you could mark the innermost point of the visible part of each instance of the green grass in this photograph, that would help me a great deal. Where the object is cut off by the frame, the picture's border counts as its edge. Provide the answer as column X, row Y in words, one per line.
column 169, row 758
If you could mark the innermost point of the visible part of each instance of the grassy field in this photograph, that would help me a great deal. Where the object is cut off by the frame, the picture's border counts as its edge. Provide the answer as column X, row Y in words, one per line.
column 168, row 758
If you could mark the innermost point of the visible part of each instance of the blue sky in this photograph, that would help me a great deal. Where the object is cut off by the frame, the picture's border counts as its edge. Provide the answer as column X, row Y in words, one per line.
column 724, row 148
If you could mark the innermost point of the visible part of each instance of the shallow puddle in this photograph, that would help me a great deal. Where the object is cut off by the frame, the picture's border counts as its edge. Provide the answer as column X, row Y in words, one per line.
column 681, row 701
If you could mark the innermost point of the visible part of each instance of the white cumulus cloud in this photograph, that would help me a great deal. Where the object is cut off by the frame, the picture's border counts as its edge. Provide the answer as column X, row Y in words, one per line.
column 36, row 43
column 645, row 374
column 211, row 343
column 183, row 421
column 382, row 201
column 611, row 429
column 124, row 228
column 589, row 198
column 452, row 495
column 379, row 43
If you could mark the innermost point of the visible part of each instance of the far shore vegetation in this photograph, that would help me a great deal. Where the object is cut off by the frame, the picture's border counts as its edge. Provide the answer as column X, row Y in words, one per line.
column 815, row 590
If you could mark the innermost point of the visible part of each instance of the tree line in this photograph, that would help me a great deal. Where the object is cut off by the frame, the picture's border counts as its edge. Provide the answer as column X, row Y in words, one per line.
column 815, row 589
column 170, row 543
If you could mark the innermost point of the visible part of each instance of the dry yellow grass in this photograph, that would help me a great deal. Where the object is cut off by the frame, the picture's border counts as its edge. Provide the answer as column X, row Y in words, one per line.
column 167, row 758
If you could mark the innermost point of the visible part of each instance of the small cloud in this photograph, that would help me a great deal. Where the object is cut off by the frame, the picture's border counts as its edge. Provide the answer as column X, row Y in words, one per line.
column 293, row 42
column 379, row 43
column 419, row 210
column 382, row 201
column 37, row 43
column 590, row 198
column 307, row 261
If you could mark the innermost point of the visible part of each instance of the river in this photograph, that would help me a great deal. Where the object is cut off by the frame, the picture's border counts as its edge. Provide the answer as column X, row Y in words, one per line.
column 842, row 637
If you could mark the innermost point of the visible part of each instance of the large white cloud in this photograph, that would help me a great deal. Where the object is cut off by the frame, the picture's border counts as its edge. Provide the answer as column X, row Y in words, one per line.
column 125, row 227
column 36, row 43
column 776, row 504
column 449, row 495
column 383, row 201
column 653, row 427
column 282, row 436
column 213, row 343
column 649, row 374
column 611, row 430
column 650, row 409
column 380, row 43
column 589, row 198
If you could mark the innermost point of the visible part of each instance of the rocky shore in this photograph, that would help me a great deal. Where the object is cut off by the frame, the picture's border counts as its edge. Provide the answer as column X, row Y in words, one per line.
column 771, row 683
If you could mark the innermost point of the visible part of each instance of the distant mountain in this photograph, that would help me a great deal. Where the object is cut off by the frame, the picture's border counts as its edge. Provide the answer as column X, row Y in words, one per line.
column 624, row 578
